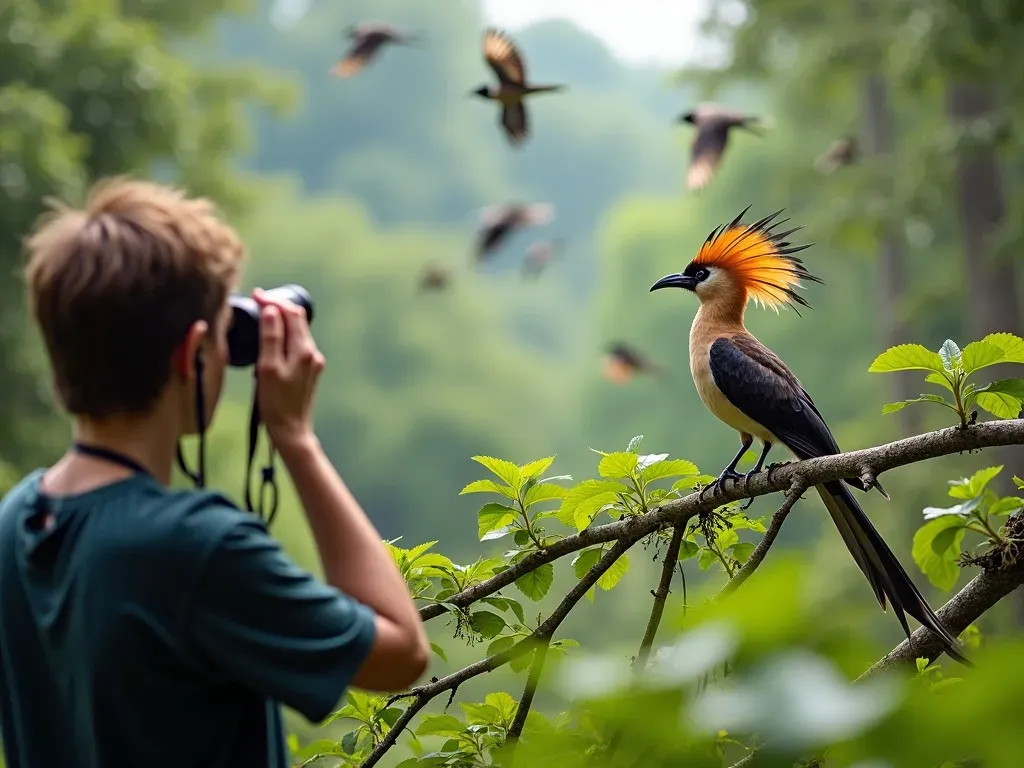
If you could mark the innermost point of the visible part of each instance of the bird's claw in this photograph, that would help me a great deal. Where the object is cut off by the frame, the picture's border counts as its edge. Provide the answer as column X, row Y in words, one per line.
column 719, row 482
column 776, row 465
column 746, row 488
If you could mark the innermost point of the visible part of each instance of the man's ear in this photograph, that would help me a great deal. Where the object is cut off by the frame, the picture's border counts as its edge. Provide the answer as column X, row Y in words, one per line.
column 185, row 355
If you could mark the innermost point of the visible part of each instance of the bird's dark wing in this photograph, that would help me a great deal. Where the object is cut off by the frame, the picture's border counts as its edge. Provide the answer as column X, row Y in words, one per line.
column 513, row 120
column 706, row 153
column 358, row 55
column 503, row 57
column 760, row 385
column 492, row 236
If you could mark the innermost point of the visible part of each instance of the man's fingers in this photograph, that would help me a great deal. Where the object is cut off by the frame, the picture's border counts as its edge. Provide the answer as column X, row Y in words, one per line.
column 271, row 338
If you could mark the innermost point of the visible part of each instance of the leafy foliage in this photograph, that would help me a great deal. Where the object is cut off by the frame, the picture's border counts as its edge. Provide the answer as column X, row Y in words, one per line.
column 950, row 368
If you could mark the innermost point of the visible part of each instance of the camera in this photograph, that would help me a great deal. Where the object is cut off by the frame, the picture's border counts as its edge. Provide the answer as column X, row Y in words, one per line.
column 244, row 332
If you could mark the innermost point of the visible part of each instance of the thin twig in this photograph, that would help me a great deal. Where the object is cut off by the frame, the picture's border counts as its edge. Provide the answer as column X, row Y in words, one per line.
column 536, row 670
column 544, row 632
column 761, row 550
column 668, row 568
column 811, row 471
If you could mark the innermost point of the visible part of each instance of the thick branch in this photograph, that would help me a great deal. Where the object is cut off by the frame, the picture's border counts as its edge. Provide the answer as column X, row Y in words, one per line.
column 761, row 550
column 668, row 568
column 810, row 472
column 543, row 634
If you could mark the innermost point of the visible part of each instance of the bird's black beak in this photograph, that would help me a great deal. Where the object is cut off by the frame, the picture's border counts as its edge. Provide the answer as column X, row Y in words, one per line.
column 678, row 280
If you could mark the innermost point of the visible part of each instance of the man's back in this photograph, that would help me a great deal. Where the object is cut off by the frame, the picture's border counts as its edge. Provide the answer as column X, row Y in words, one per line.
column 142, row 626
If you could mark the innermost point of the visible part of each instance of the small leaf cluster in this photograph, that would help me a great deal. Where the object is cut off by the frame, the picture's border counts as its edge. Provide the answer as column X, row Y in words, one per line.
column 951, row 367
column 373, row 718
column 467, row 743
column 937, row 544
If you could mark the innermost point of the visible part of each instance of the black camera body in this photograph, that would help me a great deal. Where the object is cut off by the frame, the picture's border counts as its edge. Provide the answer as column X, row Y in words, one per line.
column 244, row 332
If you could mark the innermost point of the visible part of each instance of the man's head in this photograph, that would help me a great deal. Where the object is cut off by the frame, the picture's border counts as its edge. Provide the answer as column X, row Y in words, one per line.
column 126, row 291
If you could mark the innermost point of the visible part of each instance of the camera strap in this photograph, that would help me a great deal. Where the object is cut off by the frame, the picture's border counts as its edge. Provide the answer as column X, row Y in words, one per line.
column 110, row 455
column 198, row 477
column 267, row 479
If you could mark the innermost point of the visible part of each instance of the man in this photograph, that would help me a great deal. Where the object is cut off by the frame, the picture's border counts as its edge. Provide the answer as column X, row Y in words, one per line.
column 141, row 626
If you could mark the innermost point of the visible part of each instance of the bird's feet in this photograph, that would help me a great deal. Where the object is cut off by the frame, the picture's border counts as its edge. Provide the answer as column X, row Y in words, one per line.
column 746, row 488
column 775, row 465
column 719, row 482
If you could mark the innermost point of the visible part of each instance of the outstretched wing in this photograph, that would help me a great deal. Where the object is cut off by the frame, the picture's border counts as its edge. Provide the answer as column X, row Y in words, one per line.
column 358, row 56
column 760, row 385
column 513, row 120
column 706, row 153
column 503, row 57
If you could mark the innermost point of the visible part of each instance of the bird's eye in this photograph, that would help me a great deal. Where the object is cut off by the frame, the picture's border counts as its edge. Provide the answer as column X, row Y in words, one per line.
column 702, row 274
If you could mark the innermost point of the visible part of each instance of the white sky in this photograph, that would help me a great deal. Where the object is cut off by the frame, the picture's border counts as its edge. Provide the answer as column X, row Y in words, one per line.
column 661, row 32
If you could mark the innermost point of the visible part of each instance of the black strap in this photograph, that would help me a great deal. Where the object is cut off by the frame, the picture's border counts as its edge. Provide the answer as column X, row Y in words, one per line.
column 199, row 476
column 267, row 480
column 110, row 455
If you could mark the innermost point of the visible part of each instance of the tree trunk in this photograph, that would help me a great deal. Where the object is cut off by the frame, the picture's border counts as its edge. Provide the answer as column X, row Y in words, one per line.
column 893, row 326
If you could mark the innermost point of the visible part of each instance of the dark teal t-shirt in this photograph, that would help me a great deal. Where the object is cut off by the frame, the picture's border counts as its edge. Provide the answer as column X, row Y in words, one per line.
column 159, row 628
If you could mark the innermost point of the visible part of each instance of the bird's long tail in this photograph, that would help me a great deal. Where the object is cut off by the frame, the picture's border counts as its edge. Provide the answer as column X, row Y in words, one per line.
column 546, row 88
column 880, row 566
column 757, row 125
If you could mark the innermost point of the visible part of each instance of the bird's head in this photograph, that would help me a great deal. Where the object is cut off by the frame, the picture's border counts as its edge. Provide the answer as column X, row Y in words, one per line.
column 482, row 92
column 688, row 117
column 739, row 262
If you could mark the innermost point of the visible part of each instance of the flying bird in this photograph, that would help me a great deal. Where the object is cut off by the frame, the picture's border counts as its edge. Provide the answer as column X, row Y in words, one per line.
column 713, row 124
column 539, row 255
column 367, row 41
column 622, row 363
column 499, row 222
column 844, row 151
column 512, row 87
column 746, row 386
column 434, row 278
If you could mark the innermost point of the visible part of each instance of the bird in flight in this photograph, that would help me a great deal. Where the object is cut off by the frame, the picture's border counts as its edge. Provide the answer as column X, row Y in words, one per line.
column 539, row 255
column 844, row 151
column 512, row 87
column 434, row 277
column 499, row 222
column 745, row 385
column 367, row 40
column 622, row 363
column 713, row 124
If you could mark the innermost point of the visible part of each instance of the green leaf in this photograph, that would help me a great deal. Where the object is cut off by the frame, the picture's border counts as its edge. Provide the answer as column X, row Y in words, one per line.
column 506, row 604
column 981, row 354
column 643, row 462
column 936, row 551
column 488, row 624
column 488, row 486
column 634, row 443
column 1018, row 482
column 391, row 715
column 438, row 650
column 611, row 577
column 1007, row 505
column 493, row 517
column 440, row 725
column 741, row 551
column 1012, row 387
column 588, row 509
column 958, row 510
column 586, row 560
column 969, row 487
column 506, row 470
column 688, row 549
column 940, row 379
column 536, row 583
column 505, row 705
column 901, row 404
column 520, row 663
column 664, row 469
column 1002, row 398
column 544, row 492
column 584, row 491
column 952, row 357
column 906, row 357
column 535, row 468
column 1012, row 346
column 480, row 714
column 707, row 558
column 726, row 537
column 348, row 742
column 740, row 521
column 617, row 465
column 501, row 644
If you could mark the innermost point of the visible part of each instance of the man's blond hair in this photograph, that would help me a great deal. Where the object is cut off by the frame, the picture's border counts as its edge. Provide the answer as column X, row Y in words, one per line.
column 115, row 285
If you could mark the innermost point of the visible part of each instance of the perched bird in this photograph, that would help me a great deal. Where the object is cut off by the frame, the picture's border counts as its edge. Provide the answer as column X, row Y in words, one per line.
column 622, row 363
column 512, row 86
column 434, row 278
column 713, row 124
column 842, row 152
column 367, row 40
column 745, row 385
column 499, row 222
column 539, row 255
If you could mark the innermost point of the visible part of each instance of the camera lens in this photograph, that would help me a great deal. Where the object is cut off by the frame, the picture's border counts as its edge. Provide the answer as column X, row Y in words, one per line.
column 244, row 331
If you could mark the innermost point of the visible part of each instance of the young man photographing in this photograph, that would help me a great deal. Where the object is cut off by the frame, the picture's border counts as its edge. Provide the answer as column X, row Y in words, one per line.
column 141, row 626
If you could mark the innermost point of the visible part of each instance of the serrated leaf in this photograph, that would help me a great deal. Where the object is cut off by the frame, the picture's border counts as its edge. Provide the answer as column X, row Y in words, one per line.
column 535, row 468
column 536, row 583
column 969, row 487
column 741, row 521
column 958, row 510
column 665, row 469
column 506, row 604
column 440, row 725
column 901, row 404
column 586, row 490
column 742, row 550
column 488, row 486
column 1007, row 505
column 725, row 537
column 939, row 379
column 438, row 650
column 494, row 517
column 617, row 464
column 642, row 462
column 506, row 470
column 544, row 492
column 952, row 357
column 634, row 443
column 588, row 509
column 1012, row 387
column 480, row 714
column 487, row 624
column 615, row 572
column 906, row 357
column 981, row 354
column 1000, row 405
column 688, row 549
column 504, row 704
column 1012, row 346
column 585, row 560
column 936, row 552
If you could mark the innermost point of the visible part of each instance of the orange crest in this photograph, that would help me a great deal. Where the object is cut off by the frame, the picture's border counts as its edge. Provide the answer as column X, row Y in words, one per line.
column 761, row 260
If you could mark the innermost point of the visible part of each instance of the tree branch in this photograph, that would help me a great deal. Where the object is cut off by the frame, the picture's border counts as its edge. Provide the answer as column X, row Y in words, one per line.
column 668, row 568
column 543, row 633
column 536, row 669
column 809, row 473
column 761, row 550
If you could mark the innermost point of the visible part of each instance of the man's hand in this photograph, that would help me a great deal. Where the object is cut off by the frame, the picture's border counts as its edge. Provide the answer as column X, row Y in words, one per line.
column 287, row 370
